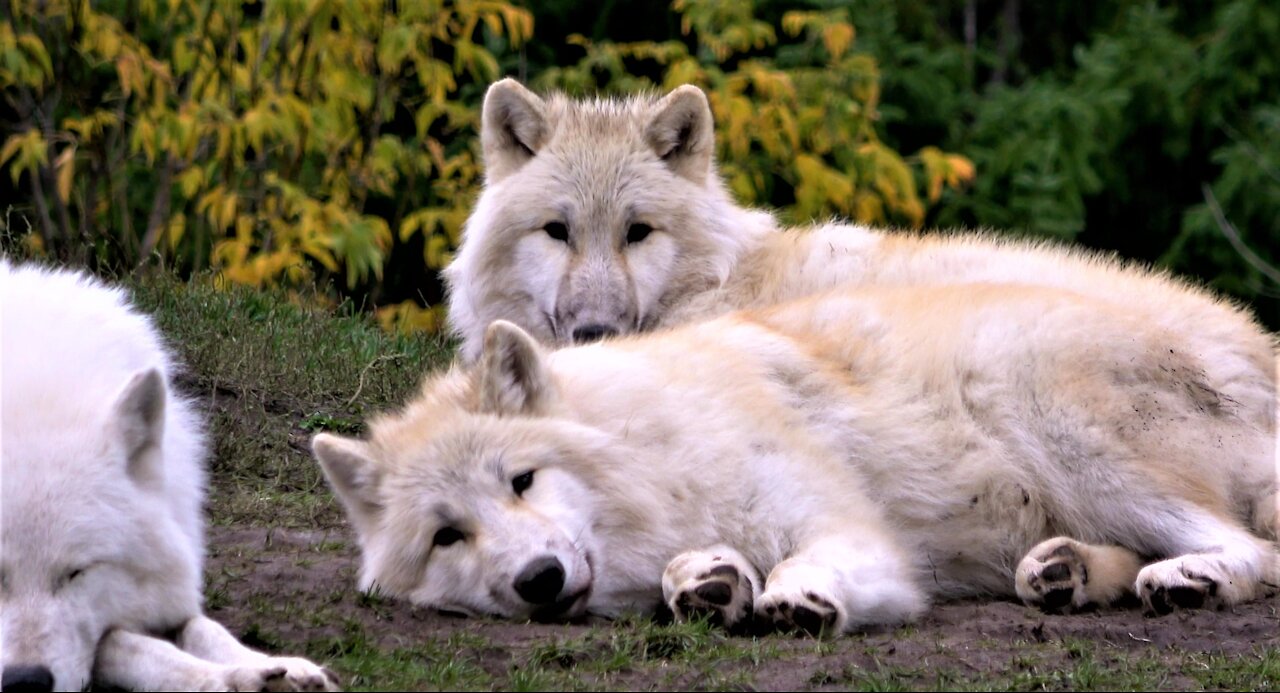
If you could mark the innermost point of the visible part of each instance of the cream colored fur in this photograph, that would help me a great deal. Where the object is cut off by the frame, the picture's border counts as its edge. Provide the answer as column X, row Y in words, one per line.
column 837, row 462
column 599, row 166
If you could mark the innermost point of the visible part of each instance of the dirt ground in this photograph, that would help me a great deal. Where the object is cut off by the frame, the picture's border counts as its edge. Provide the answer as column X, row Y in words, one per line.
column 307, row 578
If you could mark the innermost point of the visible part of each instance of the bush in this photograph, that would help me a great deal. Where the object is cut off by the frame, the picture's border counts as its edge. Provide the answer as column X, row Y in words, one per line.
column 291, row 142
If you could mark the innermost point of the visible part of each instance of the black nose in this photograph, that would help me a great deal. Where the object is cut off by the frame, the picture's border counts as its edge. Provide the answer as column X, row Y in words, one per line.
column 540, row 581
column 591, row 333
column 26, row 678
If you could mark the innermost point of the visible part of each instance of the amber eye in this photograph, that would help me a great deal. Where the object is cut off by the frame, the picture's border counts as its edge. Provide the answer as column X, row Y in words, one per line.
column 638, row 232
column 557, row 231
column 522, row 483
column 447, row 536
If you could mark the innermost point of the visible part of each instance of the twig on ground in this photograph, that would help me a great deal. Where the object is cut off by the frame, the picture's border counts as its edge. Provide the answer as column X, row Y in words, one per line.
column 363, row 371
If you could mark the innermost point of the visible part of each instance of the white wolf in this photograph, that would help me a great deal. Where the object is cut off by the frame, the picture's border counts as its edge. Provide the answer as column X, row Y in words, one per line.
column 604, row 216
column 831, row 463
column 102, row 481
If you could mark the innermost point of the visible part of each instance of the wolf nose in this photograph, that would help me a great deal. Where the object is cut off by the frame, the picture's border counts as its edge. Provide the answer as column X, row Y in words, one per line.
column 591, row 333
column 26, row 678
column 541, row 581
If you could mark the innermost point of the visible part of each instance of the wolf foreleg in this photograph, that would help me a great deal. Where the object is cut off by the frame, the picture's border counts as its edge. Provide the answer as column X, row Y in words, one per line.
column 143, row 663
column 839, row 584
column 207, row 639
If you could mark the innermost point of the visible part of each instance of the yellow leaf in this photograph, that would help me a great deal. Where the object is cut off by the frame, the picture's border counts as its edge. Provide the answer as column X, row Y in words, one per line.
column 961, row 168
column 65, row 169
column 174, row 231
column 837, row 38
column 29, row 151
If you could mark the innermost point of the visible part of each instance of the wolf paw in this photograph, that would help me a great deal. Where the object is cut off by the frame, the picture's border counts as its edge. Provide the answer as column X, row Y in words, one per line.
column 1185, row 583
column 806, row 611
column 717, row 584
column 276, row 674
column 244, row 678
column 305, row 675
column 1053, row 576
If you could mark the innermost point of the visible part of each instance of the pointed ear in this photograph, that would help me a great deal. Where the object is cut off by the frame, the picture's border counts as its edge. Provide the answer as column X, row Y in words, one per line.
column 138, row 420
column 682, row 132
column 513, row 127
column 352, row 475
column 514, row 379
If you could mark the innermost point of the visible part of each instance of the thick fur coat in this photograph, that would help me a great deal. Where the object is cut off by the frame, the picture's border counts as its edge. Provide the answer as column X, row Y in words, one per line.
column 102, row 482
column 836, row 462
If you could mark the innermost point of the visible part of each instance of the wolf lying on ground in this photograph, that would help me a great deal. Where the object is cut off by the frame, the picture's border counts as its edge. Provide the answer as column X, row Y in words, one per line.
column 603, row 217
column 830, row 464
column 101, row 482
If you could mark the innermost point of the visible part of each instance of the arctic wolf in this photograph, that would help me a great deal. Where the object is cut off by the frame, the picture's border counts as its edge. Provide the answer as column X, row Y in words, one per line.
column 101, row 481
column 829, row 464
column 601, row 217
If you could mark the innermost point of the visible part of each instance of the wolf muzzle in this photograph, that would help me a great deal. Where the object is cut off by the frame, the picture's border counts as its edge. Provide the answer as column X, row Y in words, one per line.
column 26, row 679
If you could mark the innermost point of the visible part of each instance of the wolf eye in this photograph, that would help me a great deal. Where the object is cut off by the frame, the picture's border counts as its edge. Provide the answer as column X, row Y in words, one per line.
column 638, row 232
column 447, row 536
column 521, row 483
column 68, row 577
column 558, row 231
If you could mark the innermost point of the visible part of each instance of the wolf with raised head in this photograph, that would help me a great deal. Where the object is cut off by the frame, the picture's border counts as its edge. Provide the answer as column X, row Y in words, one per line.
column 831, row 463
column 603, row 217
column 101, row 485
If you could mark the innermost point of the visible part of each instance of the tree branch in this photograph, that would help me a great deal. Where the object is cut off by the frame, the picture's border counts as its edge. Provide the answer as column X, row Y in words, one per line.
column 1233, row 237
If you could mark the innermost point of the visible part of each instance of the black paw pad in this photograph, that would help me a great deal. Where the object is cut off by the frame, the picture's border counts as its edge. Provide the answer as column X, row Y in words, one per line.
column 813, row 622
column 1187, row 597
column 1159, row 601
column 1058, row 572
column 717, row 593
column 1056, row 600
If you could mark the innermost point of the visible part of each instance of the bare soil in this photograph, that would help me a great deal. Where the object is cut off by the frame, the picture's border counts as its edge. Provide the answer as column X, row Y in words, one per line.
column 294, row 590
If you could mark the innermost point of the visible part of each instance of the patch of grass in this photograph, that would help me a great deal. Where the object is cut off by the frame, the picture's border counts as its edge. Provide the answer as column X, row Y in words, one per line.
column 269, row 369
column 1259, row 671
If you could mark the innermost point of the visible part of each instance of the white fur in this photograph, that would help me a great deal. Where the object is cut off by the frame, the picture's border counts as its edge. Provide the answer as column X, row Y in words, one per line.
column 595, row 165
column 102, row 487
column 863, row 451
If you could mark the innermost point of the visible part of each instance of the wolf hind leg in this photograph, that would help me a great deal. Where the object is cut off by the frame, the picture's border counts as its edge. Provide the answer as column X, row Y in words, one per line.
column 1213, row 564
column 209, row 640
column 718, row 581
column 1064, row 575
column 840, row 584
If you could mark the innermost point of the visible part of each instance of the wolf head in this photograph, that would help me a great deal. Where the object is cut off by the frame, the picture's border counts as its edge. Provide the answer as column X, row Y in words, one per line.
column 474, row 499
column 85, row 546
column 596, row 216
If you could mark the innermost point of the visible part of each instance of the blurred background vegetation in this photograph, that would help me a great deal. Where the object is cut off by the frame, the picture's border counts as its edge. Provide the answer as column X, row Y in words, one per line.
column 333, row 143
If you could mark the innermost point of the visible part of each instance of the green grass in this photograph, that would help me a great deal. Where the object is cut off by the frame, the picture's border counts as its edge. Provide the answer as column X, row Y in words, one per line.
column 269, row 373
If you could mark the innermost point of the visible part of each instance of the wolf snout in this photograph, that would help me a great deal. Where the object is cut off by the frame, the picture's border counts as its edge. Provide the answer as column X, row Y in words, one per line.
column 593, row 333
column 541, row 581
column 21, row 679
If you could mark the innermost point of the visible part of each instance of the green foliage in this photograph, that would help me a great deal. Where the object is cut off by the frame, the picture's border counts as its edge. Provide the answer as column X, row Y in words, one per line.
column 278, row 143
column 300, row 143
column 1101, row 123
column 795, row 116
column 292, row 142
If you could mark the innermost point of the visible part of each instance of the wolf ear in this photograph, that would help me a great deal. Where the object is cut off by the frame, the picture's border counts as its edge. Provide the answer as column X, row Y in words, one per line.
column 352, row 475
column 682, row 132
column 138, row 420
column 514, row 378
column 513, row 127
